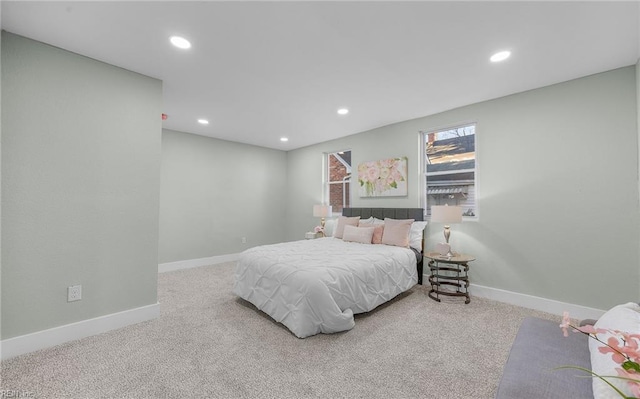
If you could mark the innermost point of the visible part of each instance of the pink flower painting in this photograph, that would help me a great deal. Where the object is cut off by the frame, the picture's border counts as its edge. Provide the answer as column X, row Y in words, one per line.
column 384, row 178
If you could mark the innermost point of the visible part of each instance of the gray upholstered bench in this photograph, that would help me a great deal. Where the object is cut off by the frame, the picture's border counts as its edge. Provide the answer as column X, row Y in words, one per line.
column 540, row 347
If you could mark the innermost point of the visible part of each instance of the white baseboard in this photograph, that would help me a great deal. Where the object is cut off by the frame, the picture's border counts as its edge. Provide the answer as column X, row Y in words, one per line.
column 535, row 302
column 187, row 264
column 58, row 335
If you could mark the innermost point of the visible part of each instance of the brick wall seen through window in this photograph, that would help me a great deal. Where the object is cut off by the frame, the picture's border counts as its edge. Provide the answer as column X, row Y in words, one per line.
column 338, row 180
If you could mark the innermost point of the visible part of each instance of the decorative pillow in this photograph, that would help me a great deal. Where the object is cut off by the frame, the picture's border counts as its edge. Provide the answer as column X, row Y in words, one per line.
column 344, row 221
column 396, row 232
column 358, row 234
column 415, row 235
column 625, row 318
column 377, row 232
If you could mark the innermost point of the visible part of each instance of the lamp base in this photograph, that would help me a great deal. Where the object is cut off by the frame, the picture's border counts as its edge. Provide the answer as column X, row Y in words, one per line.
column 447, row 234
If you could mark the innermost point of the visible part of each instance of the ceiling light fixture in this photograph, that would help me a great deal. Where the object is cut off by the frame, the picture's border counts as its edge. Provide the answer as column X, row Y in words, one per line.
column 180, row 42
column 283, row 139
column 343, row 111
column 500, row 56
column 203, row 121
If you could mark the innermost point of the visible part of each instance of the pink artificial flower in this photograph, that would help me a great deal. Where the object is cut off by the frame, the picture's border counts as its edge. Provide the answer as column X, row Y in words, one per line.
column 589, row 329
column 622, row 346
column 566, row 323
column 318, row 229
column 615, row 349
column 630, row 347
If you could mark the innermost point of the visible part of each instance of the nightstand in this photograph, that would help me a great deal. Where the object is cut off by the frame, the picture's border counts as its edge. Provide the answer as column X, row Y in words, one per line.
column 449, row 271
column 310, row 235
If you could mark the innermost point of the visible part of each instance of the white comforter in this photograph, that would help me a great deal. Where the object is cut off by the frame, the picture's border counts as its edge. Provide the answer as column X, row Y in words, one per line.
column 316, row 286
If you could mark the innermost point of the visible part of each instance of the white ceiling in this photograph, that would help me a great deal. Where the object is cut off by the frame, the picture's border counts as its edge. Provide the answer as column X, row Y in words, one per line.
column 262, row 70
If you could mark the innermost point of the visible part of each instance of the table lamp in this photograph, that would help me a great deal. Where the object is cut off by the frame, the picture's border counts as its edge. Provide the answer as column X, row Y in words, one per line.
column 448, row 215
column 322, row 211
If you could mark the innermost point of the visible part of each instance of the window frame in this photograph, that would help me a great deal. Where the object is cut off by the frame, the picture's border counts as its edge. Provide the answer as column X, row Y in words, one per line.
column 423, row 167
column 326, row 183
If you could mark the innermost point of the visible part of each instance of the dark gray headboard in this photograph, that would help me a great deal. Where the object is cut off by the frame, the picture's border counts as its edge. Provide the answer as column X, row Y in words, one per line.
column 381, row 213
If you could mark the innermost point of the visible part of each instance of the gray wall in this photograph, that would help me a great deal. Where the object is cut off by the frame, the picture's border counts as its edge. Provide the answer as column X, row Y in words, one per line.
column 557, row 188
column 80, row 160
column 214, row 192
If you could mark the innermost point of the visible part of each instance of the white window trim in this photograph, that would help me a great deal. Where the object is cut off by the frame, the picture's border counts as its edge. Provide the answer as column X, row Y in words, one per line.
column 423, row 167
column 325, row 177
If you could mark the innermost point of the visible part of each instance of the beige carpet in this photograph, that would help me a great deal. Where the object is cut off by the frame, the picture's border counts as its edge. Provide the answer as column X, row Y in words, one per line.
column 210, row 344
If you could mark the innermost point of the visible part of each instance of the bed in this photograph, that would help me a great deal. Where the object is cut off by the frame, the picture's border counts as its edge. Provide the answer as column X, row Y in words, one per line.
column 316, row 286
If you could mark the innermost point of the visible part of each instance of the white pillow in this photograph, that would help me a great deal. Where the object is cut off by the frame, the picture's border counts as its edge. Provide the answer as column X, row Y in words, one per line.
column 329, row 227
column 358, row 234
column 367, row 220
column 625, row 318
column 396, row 232
column 342, row 222
column 415, row 235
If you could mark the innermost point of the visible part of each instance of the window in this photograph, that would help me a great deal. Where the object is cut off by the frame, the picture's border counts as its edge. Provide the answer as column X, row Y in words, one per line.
column 337, row 183
column 450, row 168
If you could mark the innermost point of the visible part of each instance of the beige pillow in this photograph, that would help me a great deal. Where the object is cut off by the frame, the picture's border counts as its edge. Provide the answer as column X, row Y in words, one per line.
column 344, row 221
column 396, row 232
column 358, row 234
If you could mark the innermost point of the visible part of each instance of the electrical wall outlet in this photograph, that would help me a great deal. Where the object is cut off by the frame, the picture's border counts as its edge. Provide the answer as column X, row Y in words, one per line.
column 74, row 293
column 244, row 240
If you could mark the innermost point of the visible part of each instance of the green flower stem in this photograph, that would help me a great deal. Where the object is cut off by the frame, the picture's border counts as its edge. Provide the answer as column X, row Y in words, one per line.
column 602, row 378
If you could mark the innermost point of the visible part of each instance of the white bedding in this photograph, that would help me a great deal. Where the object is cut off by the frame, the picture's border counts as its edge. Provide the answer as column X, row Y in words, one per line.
column 316, row 286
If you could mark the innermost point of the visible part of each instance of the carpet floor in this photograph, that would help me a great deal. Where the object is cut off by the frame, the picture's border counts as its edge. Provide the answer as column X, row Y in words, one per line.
column 208, row 343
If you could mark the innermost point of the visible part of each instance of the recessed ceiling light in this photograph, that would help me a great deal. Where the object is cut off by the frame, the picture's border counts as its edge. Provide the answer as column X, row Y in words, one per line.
column 283, row 139
column 343, row 111
column 180, row 42
column 203, row 121
column 501, row 56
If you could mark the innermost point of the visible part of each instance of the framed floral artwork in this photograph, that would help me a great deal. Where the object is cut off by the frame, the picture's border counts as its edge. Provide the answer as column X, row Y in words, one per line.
column 383, row 178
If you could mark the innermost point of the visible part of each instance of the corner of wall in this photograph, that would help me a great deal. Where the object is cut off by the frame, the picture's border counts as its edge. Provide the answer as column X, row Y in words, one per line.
column 638, row 109
column 0, row 167
column 190, row 227
column 638, row 123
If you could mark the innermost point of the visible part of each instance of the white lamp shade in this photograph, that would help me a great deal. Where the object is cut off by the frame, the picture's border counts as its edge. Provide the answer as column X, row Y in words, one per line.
column 322, row 211
column 446, row 214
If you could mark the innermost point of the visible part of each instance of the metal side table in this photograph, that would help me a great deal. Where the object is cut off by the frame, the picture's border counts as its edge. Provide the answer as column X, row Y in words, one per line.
column 449, row 271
